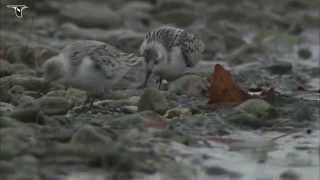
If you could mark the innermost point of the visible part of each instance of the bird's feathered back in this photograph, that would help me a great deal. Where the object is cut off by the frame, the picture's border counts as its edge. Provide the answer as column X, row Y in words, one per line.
column 191, row 46
column 106, row 58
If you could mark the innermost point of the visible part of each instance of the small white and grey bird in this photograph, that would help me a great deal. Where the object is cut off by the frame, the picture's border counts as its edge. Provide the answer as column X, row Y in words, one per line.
column 169, row 52
column 88, row 65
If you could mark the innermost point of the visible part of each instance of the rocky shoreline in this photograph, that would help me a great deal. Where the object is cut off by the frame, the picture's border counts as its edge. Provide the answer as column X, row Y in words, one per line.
column 169, row 133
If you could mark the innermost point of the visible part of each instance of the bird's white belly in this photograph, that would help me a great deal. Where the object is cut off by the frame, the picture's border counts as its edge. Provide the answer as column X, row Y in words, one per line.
column 89, row 79
column 170, row 72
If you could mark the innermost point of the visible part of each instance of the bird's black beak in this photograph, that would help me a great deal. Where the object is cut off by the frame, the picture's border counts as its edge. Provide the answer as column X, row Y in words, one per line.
column 39, row 73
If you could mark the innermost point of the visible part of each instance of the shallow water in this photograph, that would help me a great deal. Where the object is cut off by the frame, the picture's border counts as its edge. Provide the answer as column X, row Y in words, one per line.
column 297, row 152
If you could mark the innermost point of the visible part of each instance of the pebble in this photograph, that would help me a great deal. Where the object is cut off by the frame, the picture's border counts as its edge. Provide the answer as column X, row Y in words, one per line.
column 6, row 108
column 90, row 135
column 191, row 85
column 257, row 107
column 152, row 99
column 53, row 105
column 102, row 16
column 289, row 175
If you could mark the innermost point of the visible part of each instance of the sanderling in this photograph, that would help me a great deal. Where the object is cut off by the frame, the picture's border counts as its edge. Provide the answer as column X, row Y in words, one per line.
column 88, row 65
column 169, row 52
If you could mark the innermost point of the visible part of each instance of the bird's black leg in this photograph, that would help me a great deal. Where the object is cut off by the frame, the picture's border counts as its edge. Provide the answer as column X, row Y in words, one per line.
column 144, row 85
column 92, row 99
column 159, row 83
column 89, row 100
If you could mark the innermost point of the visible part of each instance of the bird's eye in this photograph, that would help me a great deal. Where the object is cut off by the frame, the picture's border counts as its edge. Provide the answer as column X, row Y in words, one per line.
column 156, row 61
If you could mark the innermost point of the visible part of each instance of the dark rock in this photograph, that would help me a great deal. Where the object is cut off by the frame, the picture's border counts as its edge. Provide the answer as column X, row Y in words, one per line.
column 137, row 15
column 177, row 171
column 289, row 175
column 5, row 69
column 32, row 54
column 17, row 96
column 119, row 160
column 233, row 42
column 152, row 99
column 27, row 166
column 33, row 94
column 165, row 5
column 29, row 112
column 75, row 97
column 28, row 82
column 244, row 119
column 253, row 113
column 53, row 105
column 258, row 108
column 7, row 122
column 92, row 14
column 22, row 70
column 16, row 90
column 223, row 12
column 46, row 26
column 220, row 171
column 124, row 39
column 47, row 7
column 4, row 94
column 280, row 68
column 311, row 20
column 303, row 112
column 136, row 6
column 56, row 133
column 178, row 17
column 5, row 108
column 15, row 141
column 296, row 5
column 70, row 152
column 6, row 168
column 127, row 121
column 11, row 147
column 191, row 85
column 304, row 53
column 91, row 135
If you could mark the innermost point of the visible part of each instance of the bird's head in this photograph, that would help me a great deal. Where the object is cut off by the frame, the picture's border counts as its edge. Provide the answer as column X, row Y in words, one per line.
column 155, row 56
column 52, row 69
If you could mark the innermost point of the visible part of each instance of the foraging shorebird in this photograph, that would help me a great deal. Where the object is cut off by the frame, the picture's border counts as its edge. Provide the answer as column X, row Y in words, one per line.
column 169, row 52
column 88, row 65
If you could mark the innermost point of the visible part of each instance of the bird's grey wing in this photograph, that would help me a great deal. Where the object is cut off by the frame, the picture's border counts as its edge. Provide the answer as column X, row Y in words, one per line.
column 104, row 62
column 78, row 50
column 112, row 63
column 126, row 62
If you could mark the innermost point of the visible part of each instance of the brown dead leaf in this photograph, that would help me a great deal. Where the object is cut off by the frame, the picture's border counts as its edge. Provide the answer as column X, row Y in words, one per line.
column 223, row 89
